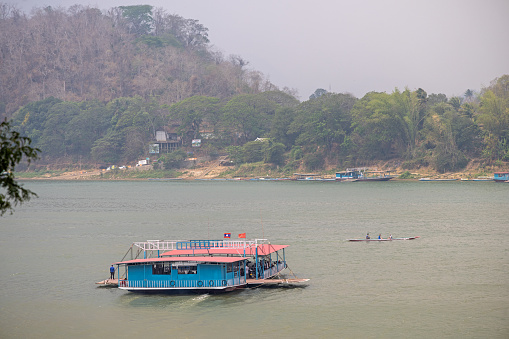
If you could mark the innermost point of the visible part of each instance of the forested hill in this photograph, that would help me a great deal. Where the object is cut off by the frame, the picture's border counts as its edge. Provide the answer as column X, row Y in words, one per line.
column 81, row 53
column 93, row 87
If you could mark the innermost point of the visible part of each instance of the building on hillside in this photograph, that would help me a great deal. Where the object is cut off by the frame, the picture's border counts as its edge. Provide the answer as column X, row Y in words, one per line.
column 165, row 142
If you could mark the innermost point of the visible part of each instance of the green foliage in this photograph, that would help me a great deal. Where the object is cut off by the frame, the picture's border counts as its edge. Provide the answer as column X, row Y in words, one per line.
column 445, row 160
column 495, row 120
column 139, row 18
column 13, row 148
column 106, row 149
column 281, row 123
column 274, row 153
column 323, row 121
column 254, row 151
column 143, row 174
column 174, row 159
column 406, row 175
column 236, row 154
column 380, row 128
column 248, row 115
column 318, row 93
column 193, row 111
column 30, row 120
column 314, row 161
column 296, row 153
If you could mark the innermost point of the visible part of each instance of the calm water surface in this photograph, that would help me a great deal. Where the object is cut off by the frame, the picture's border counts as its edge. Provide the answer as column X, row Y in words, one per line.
column 453, row 282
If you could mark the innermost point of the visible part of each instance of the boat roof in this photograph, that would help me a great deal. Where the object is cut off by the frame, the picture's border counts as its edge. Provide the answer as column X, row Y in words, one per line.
column 263, row 249
column 190, row 259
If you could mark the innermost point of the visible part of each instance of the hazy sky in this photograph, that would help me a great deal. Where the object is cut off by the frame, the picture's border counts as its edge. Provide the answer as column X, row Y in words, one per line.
column 356, row 46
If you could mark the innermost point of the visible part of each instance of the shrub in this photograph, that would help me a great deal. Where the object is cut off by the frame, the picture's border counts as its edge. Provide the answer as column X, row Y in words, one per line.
column 406, row 175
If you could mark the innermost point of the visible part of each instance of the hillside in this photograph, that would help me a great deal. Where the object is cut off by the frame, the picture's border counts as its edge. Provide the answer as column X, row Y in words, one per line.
column 81, row 53
column 96, row 89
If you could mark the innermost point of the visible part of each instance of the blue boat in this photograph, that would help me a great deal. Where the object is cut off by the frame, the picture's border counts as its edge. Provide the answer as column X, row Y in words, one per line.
column 201, row 266
column 363, row 174
column 501, row 176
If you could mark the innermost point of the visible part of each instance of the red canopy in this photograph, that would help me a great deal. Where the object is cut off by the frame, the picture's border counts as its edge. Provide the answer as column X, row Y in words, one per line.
column 264, row 249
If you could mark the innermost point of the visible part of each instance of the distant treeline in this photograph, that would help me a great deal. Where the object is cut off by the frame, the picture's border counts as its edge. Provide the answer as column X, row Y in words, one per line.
column 95, row 87
column 329, row 129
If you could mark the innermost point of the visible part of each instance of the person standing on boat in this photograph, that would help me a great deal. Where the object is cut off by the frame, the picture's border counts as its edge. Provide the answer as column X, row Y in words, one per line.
column 390, row 237
column 367, row 236
column 380, row 236
column 112, row 272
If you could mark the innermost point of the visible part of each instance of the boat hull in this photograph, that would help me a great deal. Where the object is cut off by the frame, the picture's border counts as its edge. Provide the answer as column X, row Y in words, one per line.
column 183, row 290
column 375, row 179
column 368, row 240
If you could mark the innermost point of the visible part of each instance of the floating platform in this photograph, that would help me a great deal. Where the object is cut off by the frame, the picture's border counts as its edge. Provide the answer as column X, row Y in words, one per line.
column 274, row 281
column 108, row 282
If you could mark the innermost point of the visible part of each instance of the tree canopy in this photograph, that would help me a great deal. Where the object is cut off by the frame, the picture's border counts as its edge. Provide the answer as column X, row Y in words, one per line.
column 13, row 149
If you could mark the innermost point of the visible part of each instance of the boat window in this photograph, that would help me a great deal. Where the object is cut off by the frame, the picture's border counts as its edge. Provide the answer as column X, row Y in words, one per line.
column 161, row 268
column 187, row 269
column 228, row 268
column 167, row 268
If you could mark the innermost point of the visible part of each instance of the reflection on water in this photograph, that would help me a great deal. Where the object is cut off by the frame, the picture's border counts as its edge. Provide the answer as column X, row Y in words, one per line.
column 453, row 281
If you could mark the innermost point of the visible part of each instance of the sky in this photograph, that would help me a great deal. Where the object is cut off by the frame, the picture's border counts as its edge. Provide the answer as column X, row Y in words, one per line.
column 354, row 46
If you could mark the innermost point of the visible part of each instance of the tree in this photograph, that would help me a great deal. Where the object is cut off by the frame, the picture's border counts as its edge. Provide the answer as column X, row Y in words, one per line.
column 380, row 130
column 495, row 121
column 318, row 93
column 468, row 95
column 324, row 121
column 193, row 111
column 248, row 116
column 13, row 147
column 274, row 152
column 139, row 18
column 442, row 137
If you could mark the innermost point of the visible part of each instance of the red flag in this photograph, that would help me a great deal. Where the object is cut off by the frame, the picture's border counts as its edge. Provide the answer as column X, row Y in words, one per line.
column 242, row 235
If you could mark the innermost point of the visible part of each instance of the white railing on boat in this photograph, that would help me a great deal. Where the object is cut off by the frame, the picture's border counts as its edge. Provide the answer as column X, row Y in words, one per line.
column 183, row 284
column 168, row 245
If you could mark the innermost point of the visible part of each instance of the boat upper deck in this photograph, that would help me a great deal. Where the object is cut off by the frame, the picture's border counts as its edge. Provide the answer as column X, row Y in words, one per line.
column 181, row 259
column 262, row 249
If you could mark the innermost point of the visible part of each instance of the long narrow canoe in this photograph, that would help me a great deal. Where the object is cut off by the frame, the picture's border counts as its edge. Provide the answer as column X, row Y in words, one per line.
column 409, row 238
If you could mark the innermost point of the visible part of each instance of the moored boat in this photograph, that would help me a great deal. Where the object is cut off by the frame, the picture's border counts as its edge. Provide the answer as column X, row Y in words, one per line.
column 501, row 176
column 201, row 266
column 363, row 174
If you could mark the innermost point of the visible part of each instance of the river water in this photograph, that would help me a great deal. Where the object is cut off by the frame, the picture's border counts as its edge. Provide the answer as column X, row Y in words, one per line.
column 453, row 282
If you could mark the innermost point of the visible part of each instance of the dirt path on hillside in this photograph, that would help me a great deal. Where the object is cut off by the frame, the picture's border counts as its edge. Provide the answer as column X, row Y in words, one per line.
column 208, row 170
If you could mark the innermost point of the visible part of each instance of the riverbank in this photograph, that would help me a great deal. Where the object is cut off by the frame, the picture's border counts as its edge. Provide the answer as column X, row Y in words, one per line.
column 212, row 170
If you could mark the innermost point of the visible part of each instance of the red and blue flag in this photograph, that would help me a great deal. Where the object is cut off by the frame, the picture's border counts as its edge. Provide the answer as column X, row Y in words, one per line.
column 227, row 235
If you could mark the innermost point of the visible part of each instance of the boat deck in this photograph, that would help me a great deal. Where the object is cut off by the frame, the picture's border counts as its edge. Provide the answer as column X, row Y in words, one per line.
column 274, row 281
column 108, row 282
column 114, row 282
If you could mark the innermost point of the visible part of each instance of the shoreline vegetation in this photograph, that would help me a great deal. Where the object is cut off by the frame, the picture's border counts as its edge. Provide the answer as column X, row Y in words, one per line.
column 213, row 171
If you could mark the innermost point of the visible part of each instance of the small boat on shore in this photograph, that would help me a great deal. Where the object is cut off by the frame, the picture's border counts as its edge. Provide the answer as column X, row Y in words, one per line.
column 388, row 239
column 363, row 174
column 201, row 266
column 431, row 179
